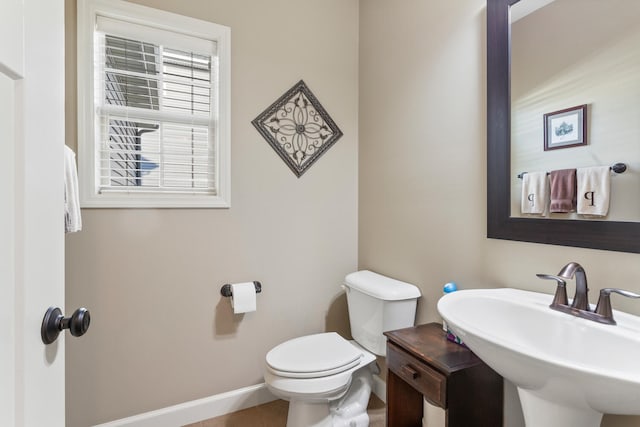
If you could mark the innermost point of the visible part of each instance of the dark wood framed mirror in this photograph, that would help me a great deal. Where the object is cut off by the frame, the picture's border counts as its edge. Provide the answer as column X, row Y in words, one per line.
column 607, row 235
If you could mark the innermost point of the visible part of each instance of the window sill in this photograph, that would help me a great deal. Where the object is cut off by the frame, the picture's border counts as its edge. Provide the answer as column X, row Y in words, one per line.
column 153, row 200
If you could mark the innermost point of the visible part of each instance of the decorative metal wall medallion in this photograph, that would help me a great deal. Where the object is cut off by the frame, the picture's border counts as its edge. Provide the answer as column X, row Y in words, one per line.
column 298, row 128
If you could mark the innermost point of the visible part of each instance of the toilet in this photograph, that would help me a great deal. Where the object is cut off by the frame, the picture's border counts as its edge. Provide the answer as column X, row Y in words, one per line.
column 327, row 379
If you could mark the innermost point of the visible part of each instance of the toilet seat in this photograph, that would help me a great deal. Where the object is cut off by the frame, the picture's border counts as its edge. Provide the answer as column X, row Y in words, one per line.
column 313, row 356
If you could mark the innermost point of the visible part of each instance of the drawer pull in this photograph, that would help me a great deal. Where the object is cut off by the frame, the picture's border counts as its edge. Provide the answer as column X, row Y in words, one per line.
column 410, row 371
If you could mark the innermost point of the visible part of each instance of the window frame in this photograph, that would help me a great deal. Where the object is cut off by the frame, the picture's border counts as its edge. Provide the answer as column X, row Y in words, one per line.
column 89, row 175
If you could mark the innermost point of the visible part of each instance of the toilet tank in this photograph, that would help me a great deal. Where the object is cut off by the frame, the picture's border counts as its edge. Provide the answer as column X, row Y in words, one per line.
column 377, row 304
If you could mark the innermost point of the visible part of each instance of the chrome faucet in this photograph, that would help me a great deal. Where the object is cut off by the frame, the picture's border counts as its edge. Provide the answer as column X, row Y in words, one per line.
column 580, row 304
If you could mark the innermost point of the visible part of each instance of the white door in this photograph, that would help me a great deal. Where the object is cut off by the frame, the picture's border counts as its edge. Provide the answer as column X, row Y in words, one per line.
column 31, row 209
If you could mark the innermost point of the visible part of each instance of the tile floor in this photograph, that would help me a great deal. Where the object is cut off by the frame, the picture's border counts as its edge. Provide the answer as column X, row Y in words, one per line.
column 274, row 414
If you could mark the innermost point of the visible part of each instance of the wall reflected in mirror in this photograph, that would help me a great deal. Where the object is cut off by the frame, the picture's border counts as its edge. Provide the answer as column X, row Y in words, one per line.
column 566, row 53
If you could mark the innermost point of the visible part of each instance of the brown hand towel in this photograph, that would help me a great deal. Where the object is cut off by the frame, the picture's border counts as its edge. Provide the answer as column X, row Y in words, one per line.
column 563, row 190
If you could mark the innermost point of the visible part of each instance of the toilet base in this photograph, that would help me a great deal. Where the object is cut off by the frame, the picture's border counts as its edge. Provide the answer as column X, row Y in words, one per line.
column 351, row 410
column 308, row 414
column 348, row 411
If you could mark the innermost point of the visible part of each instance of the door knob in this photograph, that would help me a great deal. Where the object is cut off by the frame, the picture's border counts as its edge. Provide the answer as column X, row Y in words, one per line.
column 54, row 322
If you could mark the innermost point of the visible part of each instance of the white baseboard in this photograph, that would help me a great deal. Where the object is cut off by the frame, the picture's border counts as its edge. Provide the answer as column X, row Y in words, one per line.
column 198, row 410
column 214, row 406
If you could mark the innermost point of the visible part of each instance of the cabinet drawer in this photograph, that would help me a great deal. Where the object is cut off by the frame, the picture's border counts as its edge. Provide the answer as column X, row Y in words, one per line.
column 431, row 383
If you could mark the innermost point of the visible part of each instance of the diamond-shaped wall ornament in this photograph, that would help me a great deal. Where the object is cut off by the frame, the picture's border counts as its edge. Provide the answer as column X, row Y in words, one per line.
column 298, row 128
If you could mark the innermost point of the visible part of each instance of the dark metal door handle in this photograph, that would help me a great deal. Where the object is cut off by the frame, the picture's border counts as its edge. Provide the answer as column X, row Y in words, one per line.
column 54, row 322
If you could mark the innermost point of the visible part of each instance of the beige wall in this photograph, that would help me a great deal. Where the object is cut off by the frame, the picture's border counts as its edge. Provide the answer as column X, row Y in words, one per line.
column 160, row 333
column 422, row 164
column 422, row 126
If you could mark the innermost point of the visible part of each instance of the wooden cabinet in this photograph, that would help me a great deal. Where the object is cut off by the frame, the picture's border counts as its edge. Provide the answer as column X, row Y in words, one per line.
column 422, row 362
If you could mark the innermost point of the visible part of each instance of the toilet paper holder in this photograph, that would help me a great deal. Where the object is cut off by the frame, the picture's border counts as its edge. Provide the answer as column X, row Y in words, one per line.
column 225, row 291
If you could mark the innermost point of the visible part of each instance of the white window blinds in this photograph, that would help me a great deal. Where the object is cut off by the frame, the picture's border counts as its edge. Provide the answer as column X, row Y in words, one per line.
column 155, row 98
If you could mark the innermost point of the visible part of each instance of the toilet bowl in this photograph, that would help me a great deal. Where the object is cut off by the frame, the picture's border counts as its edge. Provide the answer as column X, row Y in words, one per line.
column 327, row 379
column 314, row 373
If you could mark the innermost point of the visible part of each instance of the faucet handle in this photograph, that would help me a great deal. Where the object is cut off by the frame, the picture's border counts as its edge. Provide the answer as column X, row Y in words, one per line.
column 560, row 298
column 603, row 308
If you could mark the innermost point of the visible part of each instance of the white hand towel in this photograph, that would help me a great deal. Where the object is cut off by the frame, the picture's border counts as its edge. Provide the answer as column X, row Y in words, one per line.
column 594, row 189
column 72, row 219
column 535, row 192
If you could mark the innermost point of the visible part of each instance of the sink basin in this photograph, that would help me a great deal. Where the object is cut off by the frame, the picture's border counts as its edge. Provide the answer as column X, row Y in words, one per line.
column 569, row 371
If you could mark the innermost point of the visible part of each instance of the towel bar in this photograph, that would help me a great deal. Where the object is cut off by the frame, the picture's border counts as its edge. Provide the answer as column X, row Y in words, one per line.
column 617, row 168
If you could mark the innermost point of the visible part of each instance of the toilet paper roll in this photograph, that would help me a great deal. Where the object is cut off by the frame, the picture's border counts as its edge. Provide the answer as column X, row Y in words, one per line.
column 243, row 297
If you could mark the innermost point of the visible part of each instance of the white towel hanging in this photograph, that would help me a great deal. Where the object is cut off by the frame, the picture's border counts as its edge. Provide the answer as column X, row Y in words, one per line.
column 535, row 192
column 593, row 190
column 72, row 218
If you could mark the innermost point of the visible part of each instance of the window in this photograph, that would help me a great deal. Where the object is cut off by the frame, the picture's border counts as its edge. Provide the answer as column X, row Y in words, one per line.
column 153, row 122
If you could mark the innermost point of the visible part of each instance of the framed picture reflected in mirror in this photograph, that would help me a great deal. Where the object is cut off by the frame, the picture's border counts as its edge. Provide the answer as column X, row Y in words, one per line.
column 565, row 128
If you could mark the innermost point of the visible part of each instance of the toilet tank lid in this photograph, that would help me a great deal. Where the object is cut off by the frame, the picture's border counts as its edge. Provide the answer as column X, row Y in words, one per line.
column 381, row 287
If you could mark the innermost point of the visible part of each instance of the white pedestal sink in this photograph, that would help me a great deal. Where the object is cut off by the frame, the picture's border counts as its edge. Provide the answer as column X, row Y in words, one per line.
column 569, row 371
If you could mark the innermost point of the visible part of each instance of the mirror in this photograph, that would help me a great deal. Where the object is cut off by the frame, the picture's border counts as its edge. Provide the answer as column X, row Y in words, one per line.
column 587, row 56
column 621, row 236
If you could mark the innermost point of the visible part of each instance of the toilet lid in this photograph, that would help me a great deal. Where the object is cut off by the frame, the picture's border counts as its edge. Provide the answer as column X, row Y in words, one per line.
column 313, row 356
